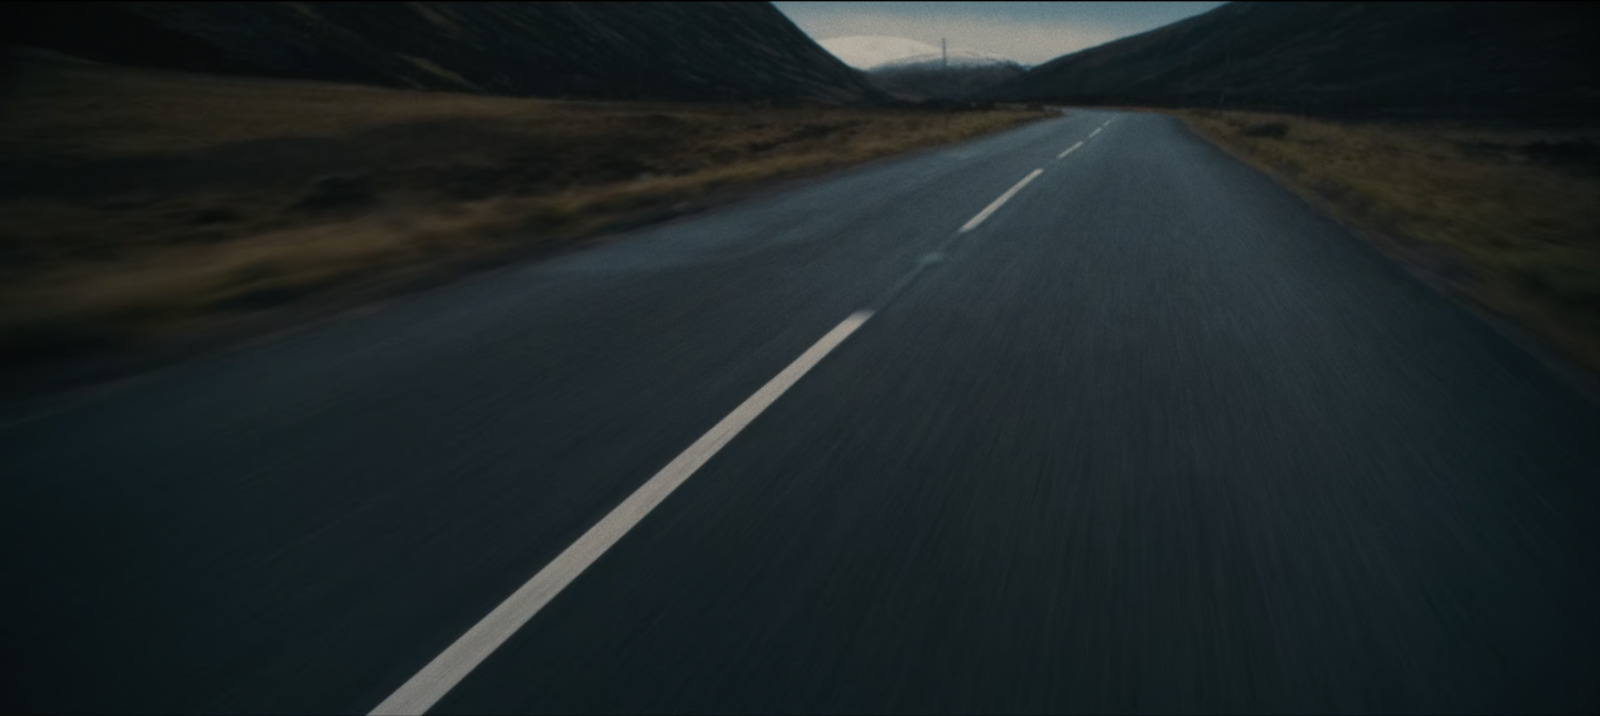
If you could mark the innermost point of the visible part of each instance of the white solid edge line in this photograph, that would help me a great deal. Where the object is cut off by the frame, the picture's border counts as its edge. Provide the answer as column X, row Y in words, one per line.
column 1069, row 150
column 423, row 690
column 997, row 203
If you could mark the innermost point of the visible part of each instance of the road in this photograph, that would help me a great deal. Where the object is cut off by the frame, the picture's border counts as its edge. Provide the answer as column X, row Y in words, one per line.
column 1149, row 434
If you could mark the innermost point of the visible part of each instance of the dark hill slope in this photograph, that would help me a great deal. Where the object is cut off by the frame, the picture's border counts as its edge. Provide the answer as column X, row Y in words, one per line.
column 652, row 51
column 1469, row 60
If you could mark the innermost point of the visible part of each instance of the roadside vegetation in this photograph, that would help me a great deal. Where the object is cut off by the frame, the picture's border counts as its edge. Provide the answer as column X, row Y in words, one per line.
column 1508, row 217
column 140, row 205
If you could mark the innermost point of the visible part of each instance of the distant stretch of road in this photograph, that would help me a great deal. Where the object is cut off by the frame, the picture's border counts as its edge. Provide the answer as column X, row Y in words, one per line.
column 1084, row 416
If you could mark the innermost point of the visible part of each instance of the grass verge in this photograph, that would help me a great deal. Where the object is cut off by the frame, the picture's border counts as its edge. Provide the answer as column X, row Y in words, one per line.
column 1509, row 218
column 139, row 206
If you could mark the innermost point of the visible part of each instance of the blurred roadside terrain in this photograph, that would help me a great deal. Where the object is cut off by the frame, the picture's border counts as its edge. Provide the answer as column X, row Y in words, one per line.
column 1463, row 138
column 1505, row 217
column 151, row 211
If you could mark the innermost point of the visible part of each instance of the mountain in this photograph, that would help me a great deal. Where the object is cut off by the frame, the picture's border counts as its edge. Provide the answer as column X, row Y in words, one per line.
column 954, row 58
column 1422, row 59
column 643, row 51
column 868, row 51
column 915, row 70
column 935, row 76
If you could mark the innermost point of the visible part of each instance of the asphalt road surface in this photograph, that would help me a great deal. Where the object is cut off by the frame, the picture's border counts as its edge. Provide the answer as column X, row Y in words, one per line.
column 997, row 427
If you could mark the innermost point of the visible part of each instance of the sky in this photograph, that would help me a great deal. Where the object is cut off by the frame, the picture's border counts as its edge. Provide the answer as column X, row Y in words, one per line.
column 1028, row 32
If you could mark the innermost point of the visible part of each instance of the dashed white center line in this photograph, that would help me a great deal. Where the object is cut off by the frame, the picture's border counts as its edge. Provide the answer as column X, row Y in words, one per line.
column 1097, row 130
column 446, row 670
column 1069, row 150
column 426, row 687
column 997, row 203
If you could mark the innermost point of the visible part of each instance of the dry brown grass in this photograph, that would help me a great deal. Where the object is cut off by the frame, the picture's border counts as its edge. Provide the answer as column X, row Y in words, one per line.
column 1508, row 218
column 141, row 204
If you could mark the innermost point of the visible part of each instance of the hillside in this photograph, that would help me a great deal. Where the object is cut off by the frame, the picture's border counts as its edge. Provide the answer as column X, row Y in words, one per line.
column 1509, row 60
column 643, row 51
